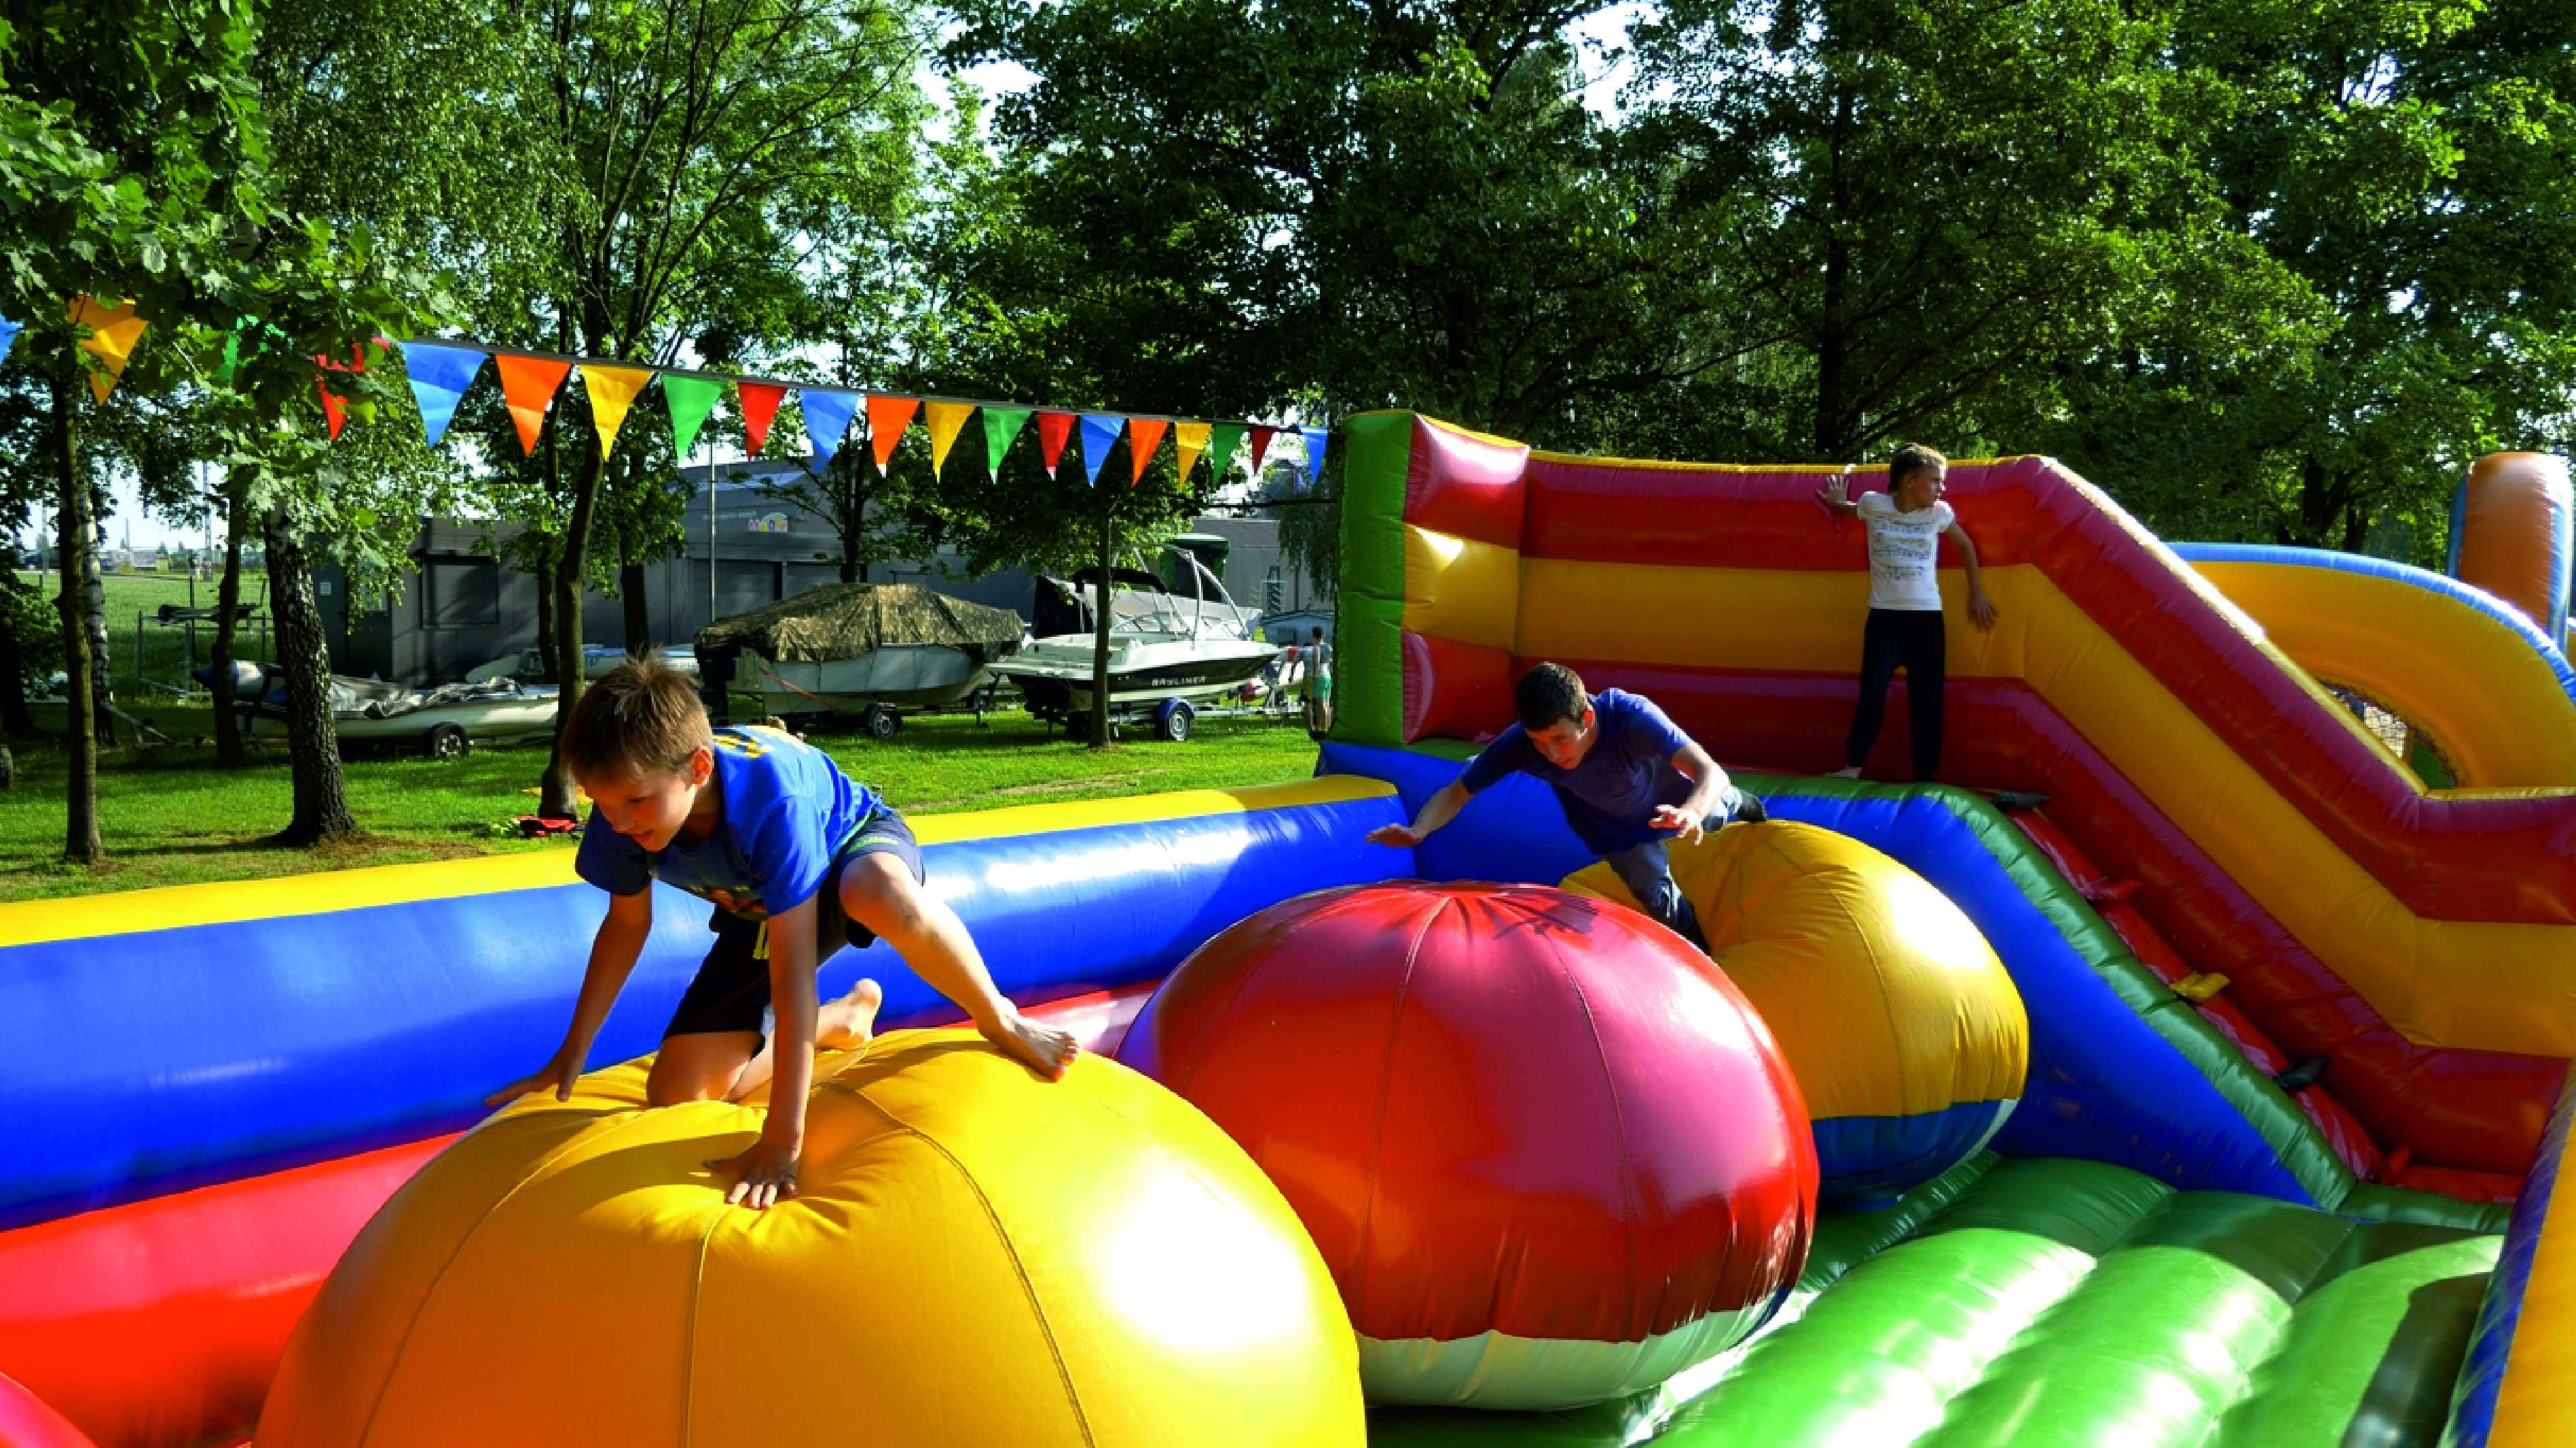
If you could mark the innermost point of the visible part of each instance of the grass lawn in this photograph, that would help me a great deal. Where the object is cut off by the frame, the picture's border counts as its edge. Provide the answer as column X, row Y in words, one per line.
column 169, row 817
column 165, row 650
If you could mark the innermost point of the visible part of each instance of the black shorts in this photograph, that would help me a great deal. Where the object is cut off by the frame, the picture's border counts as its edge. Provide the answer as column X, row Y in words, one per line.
column 731, row 992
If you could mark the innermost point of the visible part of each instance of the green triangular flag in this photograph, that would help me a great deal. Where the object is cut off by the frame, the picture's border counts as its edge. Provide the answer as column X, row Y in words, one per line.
column 1001, row 424
column 1223, row 439
column 690, row 399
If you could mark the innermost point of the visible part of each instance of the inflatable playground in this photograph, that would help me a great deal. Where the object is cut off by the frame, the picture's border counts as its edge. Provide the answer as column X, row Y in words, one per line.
column 2190, row 1070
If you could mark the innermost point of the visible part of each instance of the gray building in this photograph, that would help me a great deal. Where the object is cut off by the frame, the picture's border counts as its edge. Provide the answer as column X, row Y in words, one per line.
column 462, row 607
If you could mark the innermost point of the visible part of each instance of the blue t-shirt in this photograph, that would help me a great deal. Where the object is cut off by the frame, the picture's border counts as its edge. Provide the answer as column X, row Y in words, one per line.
column 1611, row 797
column 788, row 809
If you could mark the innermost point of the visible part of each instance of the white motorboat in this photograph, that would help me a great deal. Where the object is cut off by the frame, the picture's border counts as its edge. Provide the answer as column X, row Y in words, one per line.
column 1163, row 646
column 873, row 650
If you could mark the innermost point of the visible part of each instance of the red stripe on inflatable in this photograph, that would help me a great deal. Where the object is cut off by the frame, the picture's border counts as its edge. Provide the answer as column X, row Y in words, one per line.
column 27, row 1421
column 2479, row 1110
column 160, row 1322
column 1456, row 483
column 1455, row 690
column 2510, row 860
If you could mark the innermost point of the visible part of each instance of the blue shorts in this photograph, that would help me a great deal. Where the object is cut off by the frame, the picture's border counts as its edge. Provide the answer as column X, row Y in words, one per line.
column 731, row 991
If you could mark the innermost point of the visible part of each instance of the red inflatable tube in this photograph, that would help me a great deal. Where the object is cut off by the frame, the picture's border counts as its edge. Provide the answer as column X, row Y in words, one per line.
column 2477, row 1110
column 160, row 1322
column 1460, row 484
column 2447, row 859
column 26, row 1421
column 1454, row 689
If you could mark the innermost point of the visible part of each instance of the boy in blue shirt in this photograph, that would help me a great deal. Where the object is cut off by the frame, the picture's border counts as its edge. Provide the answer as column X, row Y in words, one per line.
column 1629, row 780
column 796, row 858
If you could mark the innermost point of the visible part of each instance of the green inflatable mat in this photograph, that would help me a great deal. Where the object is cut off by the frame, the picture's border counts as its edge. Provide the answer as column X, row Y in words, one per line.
column 2060, row 1302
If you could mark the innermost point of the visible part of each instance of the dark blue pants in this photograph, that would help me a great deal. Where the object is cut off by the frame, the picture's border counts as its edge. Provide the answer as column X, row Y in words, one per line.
column 1647, row 869
column 1912, row 640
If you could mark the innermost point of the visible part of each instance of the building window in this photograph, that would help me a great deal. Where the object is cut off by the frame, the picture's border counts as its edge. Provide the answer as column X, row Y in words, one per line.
column 460, row 595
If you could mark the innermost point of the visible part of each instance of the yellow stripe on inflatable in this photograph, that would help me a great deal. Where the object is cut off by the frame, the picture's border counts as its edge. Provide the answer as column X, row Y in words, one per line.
column 28, row 922
column 2537, row 1399
column 2470, row 680
column 1458, row 588
column 2486, row 985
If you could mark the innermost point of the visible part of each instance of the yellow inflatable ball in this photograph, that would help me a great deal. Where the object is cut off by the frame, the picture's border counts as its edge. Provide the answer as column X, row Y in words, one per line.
column 977, row 1257
column 1907, row 1036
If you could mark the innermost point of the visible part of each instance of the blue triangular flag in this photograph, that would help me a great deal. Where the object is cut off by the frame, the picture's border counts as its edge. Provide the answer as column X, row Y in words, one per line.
column 439, row 376
column 1316, row 438
column 8, row 337
column 1099, row 435
column 827, row 421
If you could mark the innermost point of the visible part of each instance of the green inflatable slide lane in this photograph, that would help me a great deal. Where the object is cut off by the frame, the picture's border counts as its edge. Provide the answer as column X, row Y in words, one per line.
column 2039, row 1302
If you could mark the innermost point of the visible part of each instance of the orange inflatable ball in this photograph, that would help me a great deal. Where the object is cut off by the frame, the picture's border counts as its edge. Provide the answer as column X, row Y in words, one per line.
column 1548, row 1152
column 977, row 1257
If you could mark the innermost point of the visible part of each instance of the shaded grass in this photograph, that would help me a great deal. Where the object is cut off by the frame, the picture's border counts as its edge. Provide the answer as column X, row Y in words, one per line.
column 169, row 817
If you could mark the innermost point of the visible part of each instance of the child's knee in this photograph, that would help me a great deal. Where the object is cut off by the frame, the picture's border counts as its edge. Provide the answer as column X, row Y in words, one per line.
column 879, row 893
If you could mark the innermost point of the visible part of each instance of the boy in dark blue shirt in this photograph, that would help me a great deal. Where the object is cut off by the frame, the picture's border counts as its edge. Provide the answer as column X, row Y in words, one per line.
column 1629, row 780
column 796, row 858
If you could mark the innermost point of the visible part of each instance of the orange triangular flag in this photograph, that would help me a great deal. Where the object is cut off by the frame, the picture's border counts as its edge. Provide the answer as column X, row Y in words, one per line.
column 887, row 418
column 946, row 419
column 1144, row 434
column 612, row 392
column 529, row 384
column 113, row 333
column 1192, row 439
column 335, row 413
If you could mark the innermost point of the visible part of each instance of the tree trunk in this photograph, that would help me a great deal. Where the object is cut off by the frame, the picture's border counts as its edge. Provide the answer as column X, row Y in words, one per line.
column 102, row 674
column 546, row 625
column 1100, row 616
column 312, row 734
column 554, row 798
column 15, row 719
column 80, row 739
column 228, row 737
column 639, row 617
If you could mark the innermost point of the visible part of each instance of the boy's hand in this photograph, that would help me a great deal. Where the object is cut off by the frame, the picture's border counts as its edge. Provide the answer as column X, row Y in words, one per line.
column 1680, row 823
column 1981, row 609
column 1397, row 835
column 558, row 1073
column 1835, row 492
column 765, row 1173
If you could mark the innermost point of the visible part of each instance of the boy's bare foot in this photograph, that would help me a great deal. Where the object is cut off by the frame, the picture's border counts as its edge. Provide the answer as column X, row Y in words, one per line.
column 847, row 1023
column 1042, row 1049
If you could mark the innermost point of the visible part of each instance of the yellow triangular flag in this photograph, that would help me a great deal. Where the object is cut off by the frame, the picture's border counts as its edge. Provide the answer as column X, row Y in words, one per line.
column 113, row 333
column 946, row 419
column 1192, row 439
column 612, row 392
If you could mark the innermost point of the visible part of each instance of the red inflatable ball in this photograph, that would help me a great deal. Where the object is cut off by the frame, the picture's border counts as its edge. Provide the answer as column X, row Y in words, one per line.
column 1549, row 1153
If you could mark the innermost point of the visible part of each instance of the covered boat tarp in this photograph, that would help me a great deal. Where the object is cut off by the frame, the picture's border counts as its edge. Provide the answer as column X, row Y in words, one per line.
column 847, row 620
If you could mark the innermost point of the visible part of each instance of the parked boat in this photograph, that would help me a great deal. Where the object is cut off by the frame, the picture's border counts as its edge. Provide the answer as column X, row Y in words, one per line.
column 874, row 650
column 1165, row 649
column 596, row 661
column 443, row 722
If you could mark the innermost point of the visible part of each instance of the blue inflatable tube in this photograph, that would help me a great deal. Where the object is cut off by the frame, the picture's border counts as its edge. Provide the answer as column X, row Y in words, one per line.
column 151, row 1060
column 2104, row 1083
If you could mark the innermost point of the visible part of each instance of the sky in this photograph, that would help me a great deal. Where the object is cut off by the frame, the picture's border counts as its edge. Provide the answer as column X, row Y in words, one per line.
column 1603, row 29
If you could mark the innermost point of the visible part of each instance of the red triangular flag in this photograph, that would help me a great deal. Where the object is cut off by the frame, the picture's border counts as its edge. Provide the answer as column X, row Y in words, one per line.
column 335, row 413
column 529, row 383
column 1261, row 444
column 1053, row 429
column 1144, row 434
column 759, row 404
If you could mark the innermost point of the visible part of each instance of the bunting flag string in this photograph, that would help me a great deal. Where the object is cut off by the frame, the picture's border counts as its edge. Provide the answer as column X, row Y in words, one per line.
column 1053, row 429
column 1316, row 440
column 887, row 418
column 1144, row 435
column 1099, row 435
column 8, row 338
column 529, row 385
column 113, row 333
column 1190, row 439
column 335, row 410
column 827, row 421
column 1001, row 424
column 1223, row 439
column 946, row 420
column 1261, row 437
column 759, row 404
column 612, row 394
column 439, row 376
column 690, row 399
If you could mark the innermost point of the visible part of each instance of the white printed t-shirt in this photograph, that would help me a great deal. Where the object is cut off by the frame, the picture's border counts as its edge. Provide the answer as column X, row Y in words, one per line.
column 1904, row 552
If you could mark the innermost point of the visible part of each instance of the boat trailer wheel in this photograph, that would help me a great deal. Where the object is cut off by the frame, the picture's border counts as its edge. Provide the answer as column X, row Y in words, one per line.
column 1172, row 720
column 447, row 741
column 881, row 723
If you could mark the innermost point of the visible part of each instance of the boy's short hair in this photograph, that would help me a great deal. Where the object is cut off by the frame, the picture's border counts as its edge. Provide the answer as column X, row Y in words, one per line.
column 1319, row 633
column 642, row 717
column 1910, row 459
column 1550, row 694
